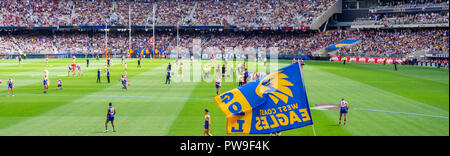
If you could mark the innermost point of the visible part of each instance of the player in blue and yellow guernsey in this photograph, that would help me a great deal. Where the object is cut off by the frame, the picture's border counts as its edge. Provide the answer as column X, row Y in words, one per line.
column 59, row 85
column 110, row 117
column 218, row 85
column 124, row 82
column 343, row 110
column 207, row 124
column 168, row 76
column 45, row 83
column 10, row 86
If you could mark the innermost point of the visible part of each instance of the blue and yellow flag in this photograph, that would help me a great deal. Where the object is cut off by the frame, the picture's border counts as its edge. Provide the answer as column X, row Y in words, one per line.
column 273, row 103
column 343, row 44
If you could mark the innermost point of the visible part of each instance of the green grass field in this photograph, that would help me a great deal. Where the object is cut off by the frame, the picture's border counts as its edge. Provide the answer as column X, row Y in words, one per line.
column 411, row 101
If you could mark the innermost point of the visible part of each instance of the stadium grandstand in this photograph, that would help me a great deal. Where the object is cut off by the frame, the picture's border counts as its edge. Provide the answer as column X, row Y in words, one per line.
column 400, row 29
column 224, row 67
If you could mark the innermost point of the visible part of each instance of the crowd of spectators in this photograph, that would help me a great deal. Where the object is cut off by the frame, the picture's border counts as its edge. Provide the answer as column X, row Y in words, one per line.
column 399, row 42
column 140, row 12
column 294, row 12
column 91, row 12
column 260, row 12
column 173, row 12
column 440, row 17
column 72, row 42
column 405, row 18
column 372, row 42
column 421, row 18
column 7, row 44
column 268, row 13
column 168, row 12
column 34, row 12
column 35, row 41
column 411, row 3
column 212, row 12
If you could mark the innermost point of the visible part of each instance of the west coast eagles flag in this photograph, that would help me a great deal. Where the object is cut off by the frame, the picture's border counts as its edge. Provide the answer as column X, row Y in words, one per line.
column 273, row 103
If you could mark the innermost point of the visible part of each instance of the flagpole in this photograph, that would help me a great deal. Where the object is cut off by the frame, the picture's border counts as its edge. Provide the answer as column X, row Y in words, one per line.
column 178, row 39
column 301, row 73
column 314, row 131
column 154, row 39
column 106, row 40
column 129, row 30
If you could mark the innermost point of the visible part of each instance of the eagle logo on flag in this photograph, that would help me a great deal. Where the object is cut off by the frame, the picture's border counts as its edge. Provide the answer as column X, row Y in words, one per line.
column 276, row 86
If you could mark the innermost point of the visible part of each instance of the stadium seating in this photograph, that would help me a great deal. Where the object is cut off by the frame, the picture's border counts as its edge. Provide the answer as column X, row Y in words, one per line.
column 204, row 12
column 424, row 13
column 373, row 43
column 394, row 43
column 384, row 4
column 247, row 13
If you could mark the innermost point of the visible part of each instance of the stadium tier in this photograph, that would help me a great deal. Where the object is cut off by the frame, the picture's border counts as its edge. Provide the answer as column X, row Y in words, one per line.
column 385, row 43
column 265, row 13
column 399, row 42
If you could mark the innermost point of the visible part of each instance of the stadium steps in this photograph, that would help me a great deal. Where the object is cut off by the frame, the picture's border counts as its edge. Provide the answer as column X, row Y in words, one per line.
column 55, row 46
column 155, row 7
column 265, row 16
column 323, row 18
column 73, row 14
column 113, row 15
column 300, row 18
column 150, row 17
column 240, row 41
column 114, row 4
column 230, row 19
column 66, row 18
column 191, row 13
column 17, row 45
